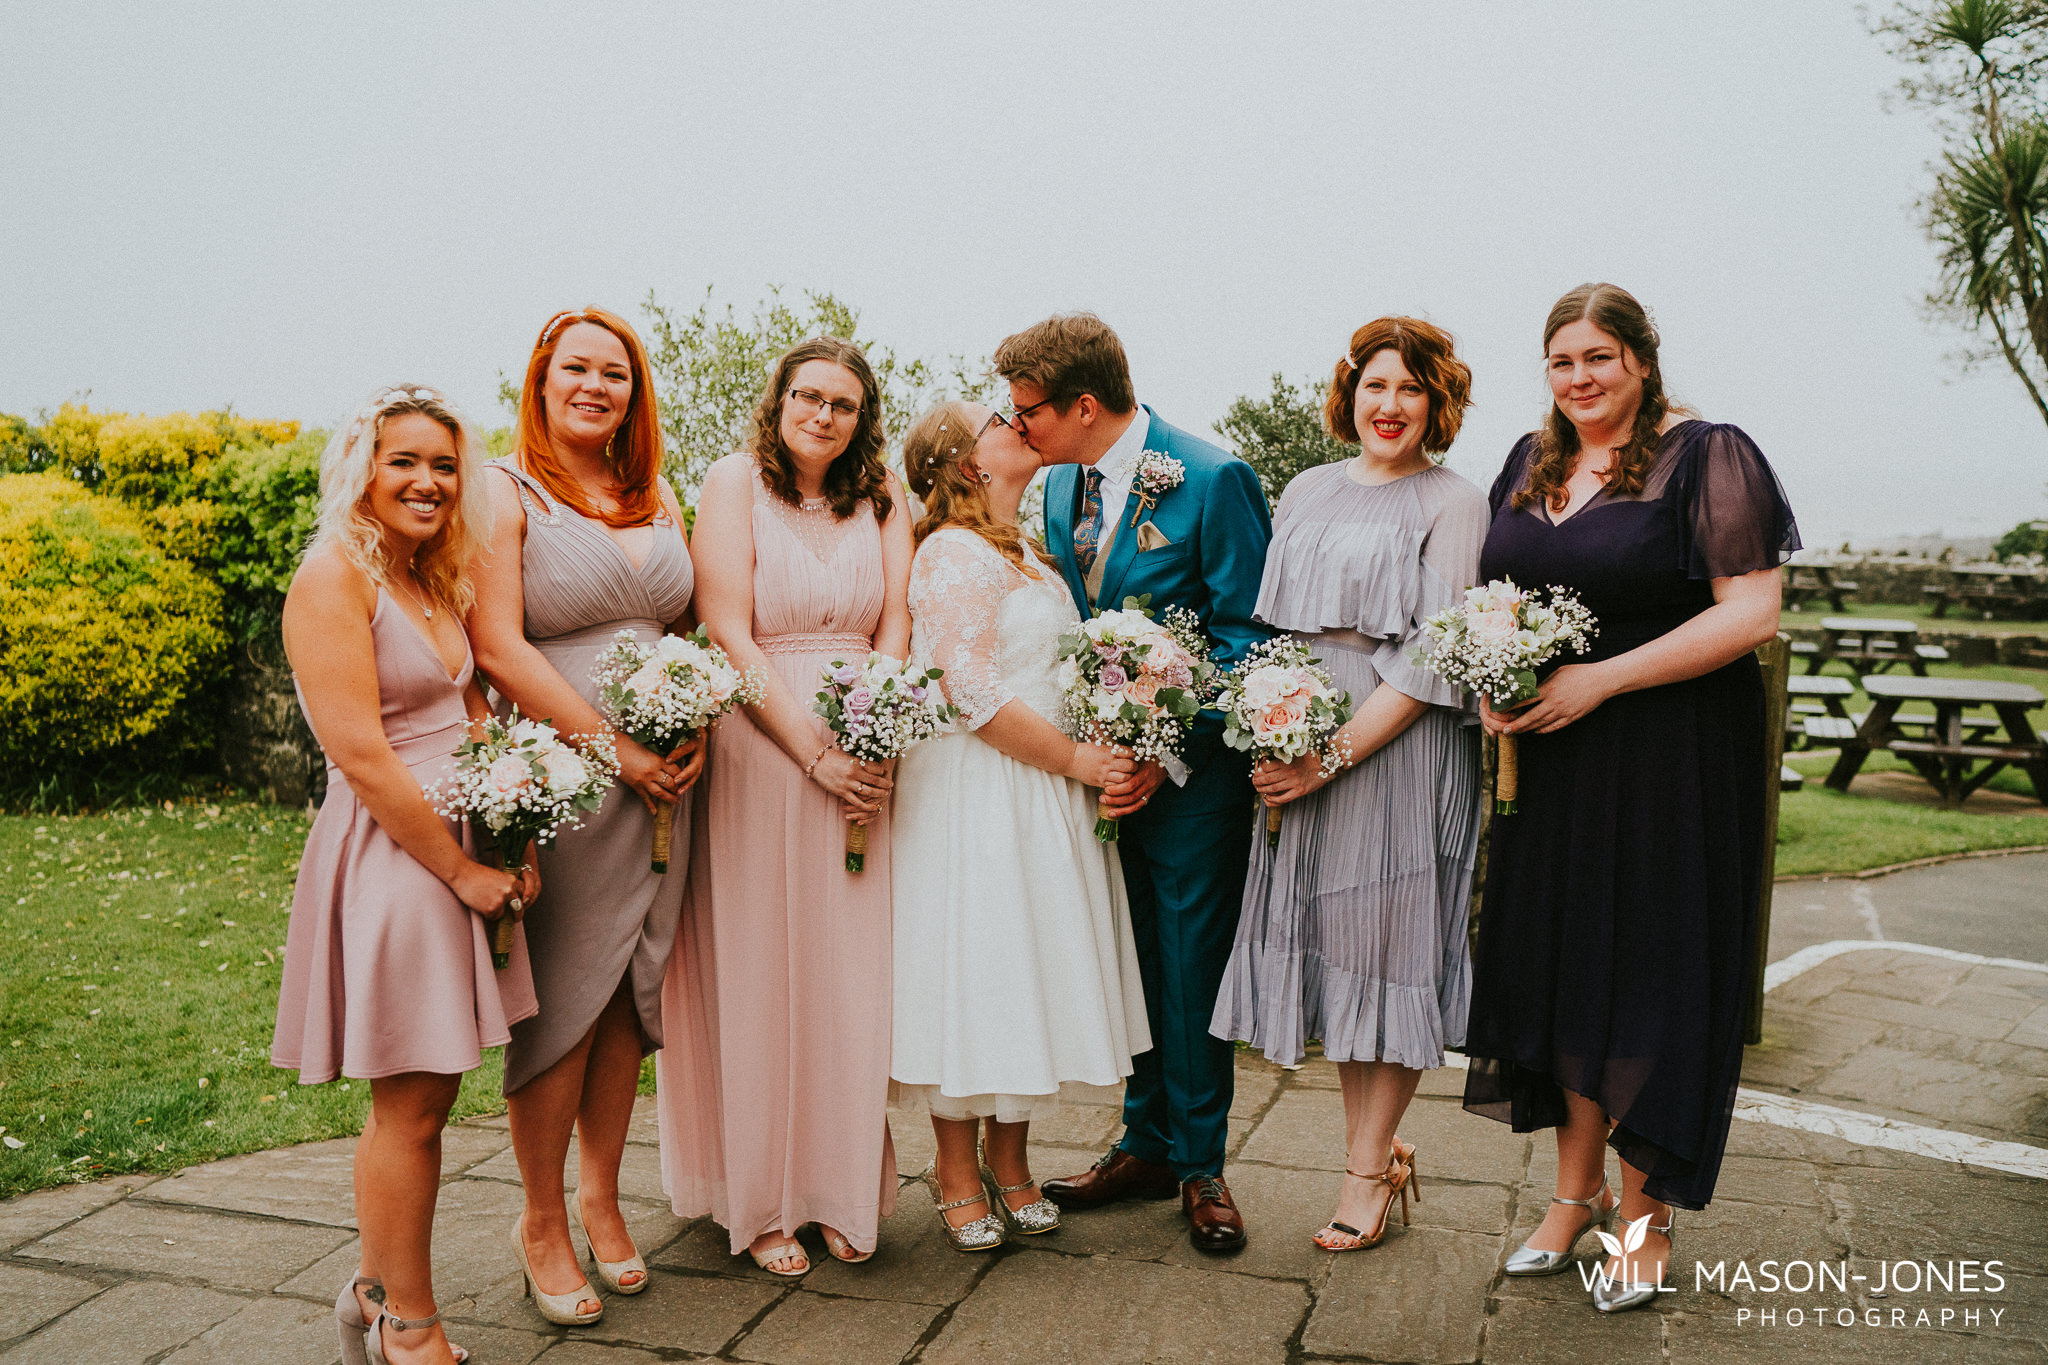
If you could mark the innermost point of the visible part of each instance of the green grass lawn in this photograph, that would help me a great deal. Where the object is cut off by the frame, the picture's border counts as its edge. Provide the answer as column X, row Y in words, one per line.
column 1822, row 830
column 138, row 988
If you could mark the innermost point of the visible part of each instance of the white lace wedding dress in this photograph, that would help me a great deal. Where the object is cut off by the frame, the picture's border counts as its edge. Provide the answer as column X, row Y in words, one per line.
column 1015, row 967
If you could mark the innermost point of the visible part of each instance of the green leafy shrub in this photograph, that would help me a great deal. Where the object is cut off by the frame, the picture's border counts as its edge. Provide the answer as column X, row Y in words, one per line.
column 103, row 637
column 1281, row 435
column 2027, row 538
column 264, row 503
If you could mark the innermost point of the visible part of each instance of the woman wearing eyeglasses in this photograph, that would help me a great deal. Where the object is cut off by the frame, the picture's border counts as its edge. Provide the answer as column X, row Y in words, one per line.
column 774, row 1085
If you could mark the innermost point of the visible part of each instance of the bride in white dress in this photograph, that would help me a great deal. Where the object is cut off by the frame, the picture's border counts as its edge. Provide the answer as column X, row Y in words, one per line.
column 1015, row 971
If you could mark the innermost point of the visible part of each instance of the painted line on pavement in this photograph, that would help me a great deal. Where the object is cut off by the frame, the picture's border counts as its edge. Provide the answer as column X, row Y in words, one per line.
column 1785, row 968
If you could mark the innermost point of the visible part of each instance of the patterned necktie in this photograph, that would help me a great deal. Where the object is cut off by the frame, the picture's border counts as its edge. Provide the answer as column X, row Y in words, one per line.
column 1088, row 526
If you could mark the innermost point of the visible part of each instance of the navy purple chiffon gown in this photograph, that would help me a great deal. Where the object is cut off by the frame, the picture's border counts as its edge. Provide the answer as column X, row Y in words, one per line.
column 1620, row 910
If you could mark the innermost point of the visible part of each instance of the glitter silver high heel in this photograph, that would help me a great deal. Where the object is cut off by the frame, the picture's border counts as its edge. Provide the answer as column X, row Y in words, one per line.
column 983, row 1234
column 1618, row 1296
column 1040, row 1215
column 1530, row 1261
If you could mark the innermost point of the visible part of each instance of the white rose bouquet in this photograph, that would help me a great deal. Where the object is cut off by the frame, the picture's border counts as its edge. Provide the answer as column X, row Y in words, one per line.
column 878, row 710
column 521, row 784
column 1278, row 706
column 1132, row 683
column 662, row 694
column 1494, row 644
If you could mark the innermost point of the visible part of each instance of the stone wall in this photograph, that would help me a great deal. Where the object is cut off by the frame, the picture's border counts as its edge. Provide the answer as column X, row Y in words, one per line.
column 262, row 739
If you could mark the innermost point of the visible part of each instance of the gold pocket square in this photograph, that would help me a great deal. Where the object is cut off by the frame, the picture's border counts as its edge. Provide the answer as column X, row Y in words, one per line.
column 1150, row 537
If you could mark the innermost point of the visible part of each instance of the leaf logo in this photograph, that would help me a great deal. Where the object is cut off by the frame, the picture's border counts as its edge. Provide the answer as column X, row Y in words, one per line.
column 1631, row 1238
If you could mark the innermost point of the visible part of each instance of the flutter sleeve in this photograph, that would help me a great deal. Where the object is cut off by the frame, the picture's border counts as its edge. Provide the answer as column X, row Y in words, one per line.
column 957, row 585
column 1733, row 515
column 1450, row 564
column 1510, row 477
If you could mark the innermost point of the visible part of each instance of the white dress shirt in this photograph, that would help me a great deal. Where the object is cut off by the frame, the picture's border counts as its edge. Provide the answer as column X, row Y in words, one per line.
column 1119, row 467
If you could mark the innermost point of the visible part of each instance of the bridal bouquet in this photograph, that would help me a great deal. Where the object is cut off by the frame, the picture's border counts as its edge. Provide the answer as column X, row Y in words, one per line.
column 522, row 784
column 1133, row 683
column 1494, row 644
column 878, row 710
column 1278, row 705
column 662, row 694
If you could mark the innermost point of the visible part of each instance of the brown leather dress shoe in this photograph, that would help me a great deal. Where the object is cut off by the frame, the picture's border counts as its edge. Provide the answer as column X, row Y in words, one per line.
column 1214, row 1224
column 1118, row 1175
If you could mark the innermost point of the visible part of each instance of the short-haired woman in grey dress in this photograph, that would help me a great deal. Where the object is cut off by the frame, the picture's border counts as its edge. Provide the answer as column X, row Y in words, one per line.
column 589, row 542
column 1353, row 929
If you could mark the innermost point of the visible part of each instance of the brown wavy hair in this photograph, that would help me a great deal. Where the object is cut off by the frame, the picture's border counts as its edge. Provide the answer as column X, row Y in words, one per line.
column 1430, row 353
column 1067, row 355
column 858, row 474
column 937, row 468
column 637, row 457
column 1614, row 311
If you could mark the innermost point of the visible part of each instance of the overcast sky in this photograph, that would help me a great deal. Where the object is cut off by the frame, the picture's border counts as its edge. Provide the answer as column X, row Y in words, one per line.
column 281, row 206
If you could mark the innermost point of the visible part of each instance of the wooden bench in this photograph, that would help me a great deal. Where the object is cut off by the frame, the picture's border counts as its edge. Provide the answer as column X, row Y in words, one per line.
column 1955, row 755
column 1874, row 643
column 1806, row 581
column 1815, row 699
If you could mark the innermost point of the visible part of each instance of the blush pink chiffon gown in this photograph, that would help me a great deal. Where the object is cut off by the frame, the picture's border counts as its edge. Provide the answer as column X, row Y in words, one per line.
column 774, row 1084
column 385, row 971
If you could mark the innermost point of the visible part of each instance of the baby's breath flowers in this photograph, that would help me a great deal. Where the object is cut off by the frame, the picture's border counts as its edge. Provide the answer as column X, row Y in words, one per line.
column 1279, row 705
column 1493, row 644
column 878, row 710
column 664, row 693
column 521, row 783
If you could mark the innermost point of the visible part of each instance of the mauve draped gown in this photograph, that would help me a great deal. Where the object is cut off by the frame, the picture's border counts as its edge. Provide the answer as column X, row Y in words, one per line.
column 603, row 914
column 774, row 1086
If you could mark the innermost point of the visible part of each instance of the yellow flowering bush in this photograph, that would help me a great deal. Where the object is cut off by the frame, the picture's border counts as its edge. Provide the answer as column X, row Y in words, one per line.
column 102, row 636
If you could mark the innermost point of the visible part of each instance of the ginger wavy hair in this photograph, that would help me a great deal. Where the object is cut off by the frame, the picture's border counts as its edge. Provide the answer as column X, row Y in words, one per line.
column 858, row 474
column 1616, row 312
column 938, row 458
column 636, row 450
column 1430, row 353
column 443, row 564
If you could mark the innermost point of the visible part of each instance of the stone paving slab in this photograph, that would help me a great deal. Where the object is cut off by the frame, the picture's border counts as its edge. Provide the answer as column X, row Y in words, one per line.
column 238, row 1260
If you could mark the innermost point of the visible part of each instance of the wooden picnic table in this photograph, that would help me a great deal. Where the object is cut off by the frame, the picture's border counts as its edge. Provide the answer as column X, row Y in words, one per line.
column 1952, row 747
column 1806, row 581
column 1876, row 643
column 1818, row 712
column 1985, row 587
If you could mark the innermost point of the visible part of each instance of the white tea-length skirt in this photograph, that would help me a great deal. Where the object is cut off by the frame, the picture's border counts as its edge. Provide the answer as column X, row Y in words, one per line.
column 1016, row 971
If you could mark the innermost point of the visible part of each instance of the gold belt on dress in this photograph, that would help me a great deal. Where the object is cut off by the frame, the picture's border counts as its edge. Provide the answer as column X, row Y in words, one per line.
column 825, row 643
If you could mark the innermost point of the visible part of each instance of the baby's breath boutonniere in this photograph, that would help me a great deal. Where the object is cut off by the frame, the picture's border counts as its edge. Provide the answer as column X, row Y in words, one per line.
column 1158, row 474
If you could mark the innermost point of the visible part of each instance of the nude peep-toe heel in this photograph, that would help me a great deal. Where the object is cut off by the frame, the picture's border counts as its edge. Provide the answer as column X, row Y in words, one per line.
column 610, row 1271
column 348, row 1318
column 559, row 1309
column 373, row 1335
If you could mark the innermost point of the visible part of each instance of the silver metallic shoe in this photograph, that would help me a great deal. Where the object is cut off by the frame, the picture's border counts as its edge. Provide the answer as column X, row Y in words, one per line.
column 983, row 1234
column 1529, row 1261
column 1618, row 1296
column 1040, row 1215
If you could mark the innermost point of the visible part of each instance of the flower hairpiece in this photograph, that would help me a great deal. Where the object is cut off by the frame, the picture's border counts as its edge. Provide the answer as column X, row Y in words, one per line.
column 373, row 410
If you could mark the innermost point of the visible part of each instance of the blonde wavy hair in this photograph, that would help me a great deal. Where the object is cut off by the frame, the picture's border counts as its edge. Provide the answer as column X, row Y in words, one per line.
column 936, row 456
column 444, row 563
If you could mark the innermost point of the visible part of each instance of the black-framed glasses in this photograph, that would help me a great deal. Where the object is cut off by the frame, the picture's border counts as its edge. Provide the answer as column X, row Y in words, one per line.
column 1019, row 416
column 995, row 416
column 812, row 401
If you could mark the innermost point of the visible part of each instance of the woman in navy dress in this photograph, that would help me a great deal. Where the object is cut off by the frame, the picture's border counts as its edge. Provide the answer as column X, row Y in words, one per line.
column 1612, row 966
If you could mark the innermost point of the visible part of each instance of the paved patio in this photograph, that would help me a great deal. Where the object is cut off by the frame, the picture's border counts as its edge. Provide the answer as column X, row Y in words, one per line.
column 238, row 1261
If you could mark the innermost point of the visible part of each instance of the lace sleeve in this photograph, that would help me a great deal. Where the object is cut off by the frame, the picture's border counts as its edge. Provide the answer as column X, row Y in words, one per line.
column 957, row 585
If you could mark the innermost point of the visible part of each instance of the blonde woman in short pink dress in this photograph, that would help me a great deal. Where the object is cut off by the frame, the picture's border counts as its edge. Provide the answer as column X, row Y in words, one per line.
column 387, row 969
column 774, row 1084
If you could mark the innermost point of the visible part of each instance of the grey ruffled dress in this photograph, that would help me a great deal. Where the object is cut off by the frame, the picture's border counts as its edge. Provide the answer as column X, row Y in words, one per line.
column 603, row 915
column 1353, row 929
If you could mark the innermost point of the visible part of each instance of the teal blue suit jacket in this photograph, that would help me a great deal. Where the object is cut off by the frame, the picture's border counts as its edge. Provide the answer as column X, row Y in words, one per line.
column 1217, row 527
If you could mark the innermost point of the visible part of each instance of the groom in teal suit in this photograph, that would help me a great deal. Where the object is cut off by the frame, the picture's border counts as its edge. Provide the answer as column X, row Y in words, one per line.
column 1199, row 545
